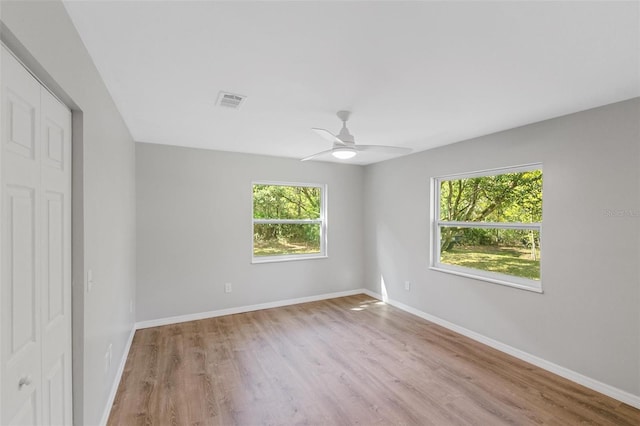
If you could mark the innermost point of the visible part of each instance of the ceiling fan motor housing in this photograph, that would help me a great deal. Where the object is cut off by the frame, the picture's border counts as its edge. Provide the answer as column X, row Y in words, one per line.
column 344, row 134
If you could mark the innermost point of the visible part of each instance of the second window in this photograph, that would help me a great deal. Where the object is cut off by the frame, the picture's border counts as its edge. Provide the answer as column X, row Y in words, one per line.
column 487, row 225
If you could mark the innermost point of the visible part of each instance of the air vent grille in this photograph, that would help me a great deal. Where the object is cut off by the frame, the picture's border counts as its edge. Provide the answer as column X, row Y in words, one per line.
column 230, row 100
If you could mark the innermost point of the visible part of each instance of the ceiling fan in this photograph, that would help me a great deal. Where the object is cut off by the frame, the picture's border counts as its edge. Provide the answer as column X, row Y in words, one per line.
column 344, row 144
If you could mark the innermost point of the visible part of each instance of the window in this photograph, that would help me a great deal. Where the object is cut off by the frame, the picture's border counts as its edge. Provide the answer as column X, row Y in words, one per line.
column 289, row 221
column 488, row 225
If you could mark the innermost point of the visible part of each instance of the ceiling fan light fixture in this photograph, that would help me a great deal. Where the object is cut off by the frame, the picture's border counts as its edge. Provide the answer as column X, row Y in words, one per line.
column 343, row 153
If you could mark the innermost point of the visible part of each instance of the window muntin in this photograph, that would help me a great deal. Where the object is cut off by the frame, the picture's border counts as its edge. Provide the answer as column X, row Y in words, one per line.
column 289, row 221
column 488, row 225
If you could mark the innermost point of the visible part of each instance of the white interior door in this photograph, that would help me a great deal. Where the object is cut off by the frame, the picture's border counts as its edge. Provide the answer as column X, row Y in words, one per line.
column 35, row 272
column 56, row 260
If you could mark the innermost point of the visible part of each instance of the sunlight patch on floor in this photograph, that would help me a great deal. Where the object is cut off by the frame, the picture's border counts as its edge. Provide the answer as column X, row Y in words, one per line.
column 366, row 305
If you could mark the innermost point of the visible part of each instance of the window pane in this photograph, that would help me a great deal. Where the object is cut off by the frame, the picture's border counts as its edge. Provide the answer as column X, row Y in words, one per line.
column 283, row 239
column 505, row 251
column 508, row 197
column 286, row 202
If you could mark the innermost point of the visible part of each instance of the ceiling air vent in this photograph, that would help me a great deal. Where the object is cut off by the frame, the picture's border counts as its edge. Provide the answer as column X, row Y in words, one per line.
column 230, row 100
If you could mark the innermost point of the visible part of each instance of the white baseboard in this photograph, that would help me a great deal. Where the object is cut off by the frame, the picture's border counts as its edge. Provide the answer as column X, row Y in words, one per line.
column 613, row 392
column 117, row 379
column 242, row 309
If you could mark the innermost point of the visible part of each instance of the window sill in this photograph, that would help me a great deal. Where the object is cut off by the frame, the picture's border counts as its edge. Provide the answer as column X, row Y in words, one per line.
column 291, row 258
column 522, row 284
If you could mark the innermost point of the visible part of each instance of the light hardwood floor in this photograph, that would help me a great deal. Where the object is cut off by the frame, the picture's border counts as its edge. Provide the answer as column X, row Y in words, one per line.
column 346, row 361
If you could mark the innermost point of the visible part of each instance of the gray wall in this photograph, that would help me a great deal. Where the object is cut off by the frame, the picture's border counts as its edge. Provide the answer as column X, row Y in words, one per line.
column 194, row 231
column 42, row 34
column 588, row 319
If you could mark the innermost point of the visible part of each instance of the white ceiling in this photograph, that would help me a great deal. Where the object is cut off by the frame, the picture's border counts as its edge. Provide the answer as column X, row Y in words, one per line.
column 415, row 74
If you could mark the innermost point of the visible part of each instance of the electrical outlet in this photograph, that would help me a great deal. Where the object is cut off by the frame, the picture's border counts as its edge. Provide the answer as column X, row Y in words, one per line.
column 227, row 287
column 407, row 285
column 130, row 305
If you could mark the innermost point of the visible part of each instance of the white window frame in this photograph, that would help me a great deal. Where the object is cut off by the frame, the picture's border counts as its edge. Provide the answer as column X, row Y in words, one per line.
column 479, row 274
column 322, row 221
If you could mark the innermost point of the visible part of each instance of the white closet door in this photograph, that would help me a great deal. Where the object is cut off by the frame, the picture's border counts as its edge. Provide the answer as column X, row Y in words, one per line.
column 21, row 338
column 35, row 288
column 56, row 260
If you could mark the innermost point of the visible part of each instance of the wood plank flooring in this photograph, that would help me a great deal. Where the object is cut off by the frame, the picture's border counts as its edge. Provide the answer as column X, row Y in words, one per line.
column 346, row 361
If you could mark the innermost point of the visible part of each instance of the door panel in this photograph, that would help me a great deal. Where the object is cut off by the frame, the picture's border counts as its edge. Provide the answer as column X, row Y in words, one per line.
column 21, row 125
column 20, row 271
column 22, row 267
column 56, row 253
column 53, row 276
column 53, row 395
column 54, row 145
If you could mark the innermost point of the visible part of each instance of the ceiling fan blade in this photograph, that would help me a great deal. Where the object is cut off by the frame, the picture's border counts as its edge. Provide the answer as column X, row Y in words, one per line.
column 383, row 148
column 324, row 133
column 311, row 157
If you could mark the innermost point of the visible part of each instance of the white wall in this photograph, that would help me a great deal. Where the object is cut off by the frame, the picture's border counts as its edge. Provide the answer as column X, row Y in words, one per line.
column 42, row 34
column 588, row 319
column 194, row 231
